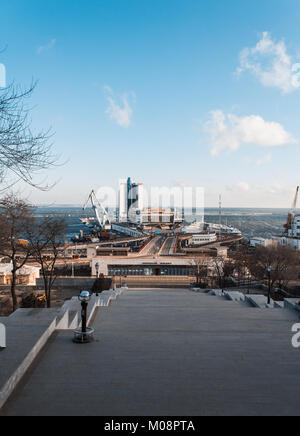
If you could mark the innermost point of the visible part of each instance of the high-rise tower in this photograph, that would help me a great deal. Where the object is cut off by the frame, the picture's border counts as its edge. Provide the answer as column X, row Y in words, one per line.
column 131, row 201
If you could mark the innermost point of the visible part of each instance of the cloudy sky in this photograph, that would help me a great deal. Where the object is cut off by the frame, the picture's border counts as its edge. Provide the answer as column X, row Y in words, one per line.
column 172, row 92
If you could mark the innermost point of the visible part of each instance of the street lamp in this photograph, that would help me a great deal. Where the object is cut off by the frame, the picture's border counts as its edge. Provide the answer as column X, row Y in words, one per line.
column 222, row 281
column 85, row 335
column 269, row 269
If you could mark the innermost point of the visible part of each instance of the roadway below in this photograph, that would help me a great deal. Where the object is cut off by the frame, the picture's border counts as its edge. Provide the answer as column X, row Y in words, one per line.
column 168, row 248
column 152, row 248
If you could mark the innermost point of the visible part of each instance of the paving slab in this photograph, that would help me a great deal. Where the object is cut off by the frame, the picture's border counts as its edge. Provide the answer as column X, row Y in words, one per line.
column 168, row 353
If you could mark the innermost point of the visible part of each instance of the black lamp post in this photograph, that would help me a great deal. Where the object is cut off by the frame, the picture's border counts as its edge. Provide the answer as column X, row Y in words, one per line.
column 97, row 274
column 222, row 281
column 97, row 269
column 84, row 335
column 84, row 298
column 269, row 280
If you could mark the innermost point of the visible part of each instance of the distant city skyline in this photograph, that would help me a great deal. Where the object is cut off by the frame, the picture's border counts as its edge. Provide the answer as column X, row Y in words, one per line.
column 172, row 93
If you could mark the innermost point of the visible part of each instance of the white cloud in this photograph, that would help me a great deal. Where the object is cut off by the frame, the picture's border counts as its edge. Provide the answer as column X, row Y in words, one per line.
column 229, row 132
column 256, row 190
column 239, row 187
column 271, row 64
column 243, row 186
column 120, row 112
column 264, row 160
column 46, row 47
column 278, row 189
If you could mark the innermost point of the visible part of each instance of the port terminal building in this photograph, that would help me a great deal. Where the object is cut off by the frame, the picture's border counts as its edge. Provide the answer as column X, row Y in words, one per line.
column 160, row 266
column 142, row 267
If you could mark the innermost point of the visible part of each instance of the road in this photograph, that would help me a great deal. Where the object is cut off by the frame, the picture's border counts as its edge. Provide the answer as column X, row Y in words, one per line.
column 168, row 247
column 153, row 247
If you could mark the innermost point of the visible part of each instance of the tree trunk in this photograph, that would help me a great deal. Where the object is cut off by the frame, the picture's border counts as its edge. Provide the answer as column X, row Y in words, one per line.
column 47, row 293
column 48, row 300
column 13, row 291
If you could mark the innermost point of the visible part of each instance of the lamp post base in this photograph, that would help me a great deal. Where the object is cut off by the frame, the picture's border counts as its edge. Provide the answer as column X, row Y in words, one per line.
column 84, row 338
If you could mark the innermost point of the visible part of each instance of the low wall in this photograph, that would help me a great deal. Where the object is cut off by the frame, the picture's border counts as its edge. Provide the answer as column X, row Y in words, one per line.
column 80, row 283
column 158, row 281
column 21, row 288
column 74, row 285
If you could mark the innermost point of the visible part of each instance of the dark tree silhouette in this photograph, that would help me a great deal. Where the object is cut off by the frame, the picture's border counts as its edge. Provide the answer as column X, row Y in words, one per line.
column 284, row 263
column 23, row 153
column 200, row 269
column 46, row 239
column 15, row 217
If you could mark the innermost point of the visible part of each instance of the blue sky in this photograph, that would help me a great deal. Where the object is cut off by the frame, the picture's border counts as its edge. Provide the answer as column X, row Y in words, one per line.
column 163, row 91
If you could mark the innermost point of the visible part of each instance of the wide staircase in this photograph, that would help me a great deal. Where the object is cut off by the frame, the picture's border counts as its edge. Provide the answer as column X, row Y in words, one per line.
column 171, row 352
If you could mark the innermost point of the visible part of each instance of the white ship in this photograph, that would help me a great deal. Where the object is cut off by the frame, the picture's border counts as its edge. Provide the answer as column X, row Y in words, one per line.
column 224, row 229
column 200, row 227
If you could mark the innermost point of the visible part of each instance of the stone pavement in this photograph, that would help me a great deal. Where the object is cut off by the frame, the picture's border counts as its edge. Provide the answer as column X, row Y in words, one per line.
column 169, row 353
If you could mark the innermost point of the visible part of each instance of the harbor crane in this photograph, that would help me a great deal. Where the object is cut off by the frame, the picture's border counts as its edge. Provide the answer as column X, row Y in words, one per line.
column 100, row 212
column 292, row 212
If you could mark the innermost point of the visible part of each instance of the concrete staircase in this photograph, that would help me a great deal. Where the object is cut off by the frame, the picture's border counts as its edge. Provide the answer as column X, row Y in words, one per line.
column 257, row 301
column 212, row 352
column 28, row 331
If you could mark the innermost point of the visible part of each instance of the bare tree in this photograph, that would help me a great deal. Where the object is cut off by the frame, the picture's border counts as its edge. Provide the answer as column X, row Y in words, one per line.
column 224, row 268
column 199, row 268
column 46, row 238
column 241, row 260
column 15, row 216
column 22, row 152
column 283, row 263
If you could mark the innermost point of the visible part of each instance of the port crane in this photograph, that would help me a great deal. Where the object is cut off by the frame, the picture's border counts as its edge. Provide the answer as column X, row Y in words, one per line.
column 100, row 212
column 292, row 212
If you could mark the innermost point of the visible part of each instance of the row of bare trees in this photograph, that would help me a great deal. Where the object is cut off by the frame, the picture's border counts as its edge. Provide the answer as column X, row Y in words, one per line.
column 282, row 262
column 220, row 269
column 25, row 237
column 279, row 264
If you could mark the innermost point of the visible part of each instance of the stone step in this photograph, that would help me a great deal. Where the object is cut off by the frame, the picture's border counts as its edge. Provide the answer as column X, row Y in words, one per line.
column 292, row 304
column 259, row 301
column 235, row 296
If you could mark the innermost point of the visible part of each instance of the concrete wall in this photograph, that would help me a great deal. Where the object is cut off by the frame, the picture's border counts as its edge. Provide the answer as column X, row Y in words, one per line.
column 157, row 281
column 80, row 283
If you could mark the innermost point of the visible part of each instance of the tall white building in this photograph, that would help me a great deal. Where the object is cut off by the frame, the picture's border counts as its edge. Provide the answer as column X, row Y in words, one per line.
column 294, row 232
column 131, row 201
column 123, row 204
